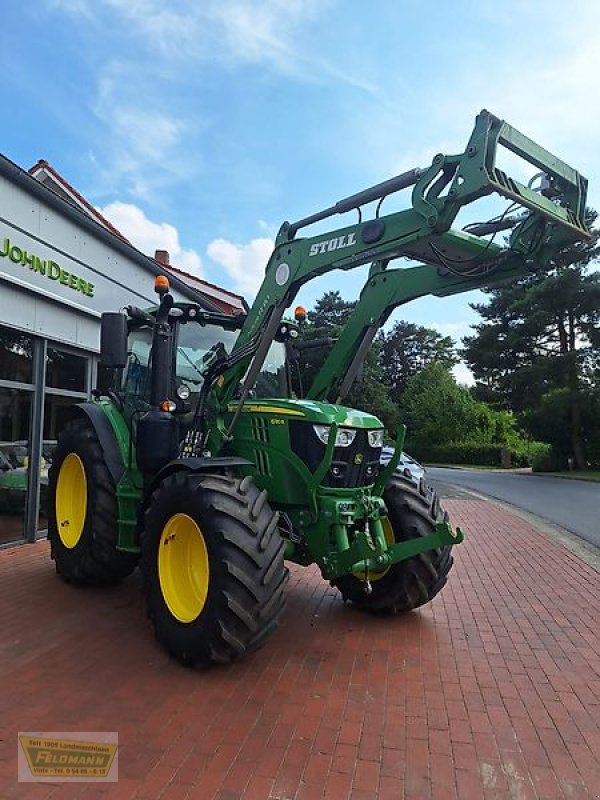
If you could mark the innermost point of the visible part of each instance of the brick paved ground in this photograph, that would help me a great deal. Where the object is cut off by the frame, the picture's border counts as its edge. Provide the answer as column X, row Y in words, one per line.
column 492, row 691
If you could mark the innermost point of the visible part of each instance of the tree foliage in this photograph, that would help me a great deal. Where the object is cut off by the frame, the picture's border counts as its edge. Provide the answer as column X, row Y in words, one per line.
column 408, row 348
column 391, row 360
column 540, row 336
column 446, row 423
column 436, row 410
column 331, row 311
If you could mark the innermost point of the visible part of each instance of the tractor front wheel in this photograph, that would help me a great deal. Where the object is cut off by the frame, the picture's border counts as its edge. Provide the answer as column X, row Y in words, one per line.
column 413, row 511
column 82, row 517
column 212, row 561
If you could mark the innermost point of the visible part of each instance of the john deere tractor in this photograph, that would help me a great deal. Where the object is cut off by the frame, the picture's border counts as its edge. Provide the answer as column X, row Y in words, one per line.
column 201, row 466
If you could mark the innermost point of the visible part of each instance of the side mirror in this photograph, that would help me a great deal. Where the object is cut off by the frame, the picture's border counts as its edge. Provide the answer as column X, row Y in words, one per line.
column 113, row 339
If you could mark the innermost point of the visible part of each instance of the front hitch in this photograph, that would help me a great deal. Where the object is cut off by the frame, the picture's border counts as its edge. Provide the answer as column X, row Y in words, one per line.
column 442, row 537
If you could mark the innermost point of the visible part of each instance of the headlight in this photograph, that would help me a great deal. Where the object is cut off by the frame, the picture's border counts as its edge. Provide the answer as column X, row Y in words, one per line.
column 376, row 438
column 344, row 436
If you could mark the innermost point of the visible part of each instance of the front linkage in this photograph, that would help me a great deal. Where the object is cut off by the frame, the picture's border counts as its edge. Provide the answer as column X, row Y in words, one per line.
column 343, row 532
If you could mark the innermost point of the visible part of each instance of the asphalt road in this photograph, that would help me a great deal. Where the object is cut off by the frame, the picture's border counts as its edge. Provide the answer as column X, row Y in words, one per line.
column 573, row 505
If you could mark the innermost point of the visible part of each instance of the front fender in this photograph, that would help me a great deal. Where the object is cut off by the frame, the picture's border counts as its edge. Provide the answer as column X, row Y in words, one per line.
column 196, row 464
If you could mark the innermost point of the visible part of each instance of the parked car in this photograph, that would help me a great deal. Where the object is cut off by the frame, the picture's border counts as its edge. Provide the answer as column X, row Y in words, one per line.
column 407, row 465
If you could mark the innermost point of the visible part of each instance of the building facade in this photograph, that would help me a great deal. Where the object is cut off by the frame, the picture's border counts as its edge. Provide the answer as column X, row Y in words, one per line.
column 61, row 266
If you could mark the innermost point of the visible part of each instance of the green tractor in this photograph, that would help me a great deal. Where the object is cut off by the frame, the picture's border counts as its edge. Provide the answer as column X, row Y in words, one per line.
column 199, row 464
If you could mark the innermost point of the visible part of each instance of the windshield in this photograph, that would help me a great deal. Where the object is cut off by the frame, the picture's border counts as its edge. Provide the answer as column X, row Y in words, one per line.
column 197, row 347
column 272, row 379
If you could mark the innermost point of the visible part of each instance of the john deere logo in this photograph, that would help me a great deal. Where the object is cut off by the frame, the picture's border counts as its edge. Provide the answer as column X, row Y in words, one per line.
column 68, row 759
column 358, row 458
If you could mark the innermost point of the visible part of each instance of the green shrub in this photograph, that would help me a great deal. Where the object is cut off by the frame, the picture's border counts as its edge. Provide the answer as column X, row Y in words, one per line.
column 549, row 461
column 485, row 455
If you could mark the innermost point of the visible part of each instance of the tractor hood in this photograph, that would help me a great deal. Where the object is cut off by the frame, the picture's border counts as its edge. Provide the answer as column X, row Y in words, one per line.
column 311, row 411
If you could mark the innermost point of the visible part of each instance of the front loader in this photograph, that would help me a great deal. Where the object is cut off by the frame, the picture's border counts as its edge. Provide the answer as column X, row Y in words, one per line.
column 201, row 466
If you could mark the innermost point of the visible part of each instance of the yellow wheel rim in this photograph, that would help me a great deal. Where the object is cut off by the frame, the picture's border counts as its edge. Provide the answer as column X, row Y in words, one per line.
column 390, row 539
column 71, row 500
column 183, row 568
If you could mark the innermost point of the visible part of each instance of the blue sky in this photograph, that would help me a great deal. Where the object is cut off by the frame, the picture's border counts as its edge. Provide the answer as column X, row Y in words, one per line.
column 198, row 127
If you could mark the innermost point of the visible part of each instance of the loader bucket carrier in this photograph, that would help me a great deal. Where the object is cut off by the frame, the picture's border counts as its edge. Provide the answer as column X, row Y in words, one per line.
column 201, row 465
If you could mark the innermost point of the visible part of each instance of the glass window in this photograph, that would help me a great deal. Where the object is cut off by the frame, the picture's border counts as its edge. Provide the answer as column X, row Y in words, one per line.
column 272, row 379
column 15, row 416
column 16, row 356
column 65, row 370
column 136, row 375
column 196, row 347
column 56, row 414
column 105, row 379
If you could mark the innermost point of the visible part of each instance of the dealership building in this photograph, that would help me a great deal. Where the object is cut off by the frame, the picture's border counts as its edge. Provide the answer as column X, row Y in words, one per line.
column 61, row 265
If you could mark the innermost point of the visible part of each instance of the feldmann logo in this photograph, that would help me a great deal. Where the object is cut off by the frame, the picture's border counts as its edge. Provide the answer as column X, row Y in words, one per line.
column 65, row 758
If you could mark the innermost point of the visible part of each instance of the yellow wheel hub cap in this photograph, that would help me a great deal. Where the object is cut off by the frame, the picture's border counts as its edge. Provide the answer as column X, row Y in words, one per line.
column 390, row 539
column 183, row 568
column 71, row 500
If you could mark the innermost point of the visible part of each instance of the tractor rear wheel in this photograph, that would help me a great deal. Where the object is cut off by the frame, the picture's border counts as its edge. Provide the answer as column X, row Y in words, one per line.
column 413, row 511
column 82, row 514
column 212, row 562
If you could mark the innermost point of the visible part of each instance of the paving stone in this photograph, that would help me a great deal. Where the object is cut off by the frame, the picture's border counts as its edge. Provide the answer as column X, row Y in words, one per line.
column 490, row 691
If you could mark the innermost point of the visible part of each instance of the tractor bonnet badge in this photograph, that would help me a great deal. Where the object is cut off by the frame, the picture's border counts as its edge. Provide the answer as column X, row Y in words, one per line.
column 358, row 458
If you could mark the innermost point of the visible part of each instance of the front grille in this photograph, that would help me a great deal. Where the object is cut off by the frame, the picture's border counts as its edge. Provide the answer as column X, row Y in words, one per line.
column 353, row 466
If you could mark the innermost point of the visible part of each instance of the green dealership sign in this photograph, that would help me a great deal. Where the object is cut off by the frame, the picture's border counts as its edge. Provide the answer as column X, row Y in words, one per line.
column 50, row 269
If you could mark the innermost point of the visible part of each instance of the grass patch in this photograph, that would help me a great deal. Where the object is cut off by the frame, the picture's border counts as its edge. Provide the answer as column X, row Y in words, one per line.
column 468, row 466
column 575, row 474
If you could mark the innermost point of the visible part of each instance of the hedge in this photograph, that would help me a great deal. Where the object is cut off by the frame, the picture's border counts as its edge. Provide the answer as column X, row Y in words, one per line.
column 488, row 455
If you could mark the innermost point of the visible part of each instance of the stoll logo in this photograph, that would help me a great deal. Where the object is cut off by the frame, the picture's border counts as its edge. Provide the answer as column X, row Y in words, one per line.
column 50, row 269
column 68, row 757
column 338, row 243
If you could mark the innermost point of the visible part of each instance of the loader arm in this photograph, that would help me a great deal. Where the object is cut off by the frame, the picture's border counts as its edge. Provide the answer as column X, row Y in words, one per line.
column 384, row 291
column 422, row 232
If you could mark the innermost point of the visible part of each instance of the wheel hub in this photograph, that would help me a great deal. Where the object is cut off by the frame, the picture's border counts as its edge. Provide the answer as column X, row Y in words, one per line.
column 183, row 567
column 71, row 500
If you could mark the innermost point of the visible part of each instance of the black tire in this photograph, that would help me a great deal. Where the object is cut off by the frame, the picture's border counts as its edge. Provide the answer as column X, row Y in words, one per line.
column 413, row 510
column 94, row 558
column 245, row 575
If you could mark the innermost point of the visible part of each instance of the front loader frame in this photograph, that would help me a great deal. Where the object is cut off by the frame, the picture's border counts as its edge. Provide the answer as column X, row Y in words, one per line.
column 453, row 260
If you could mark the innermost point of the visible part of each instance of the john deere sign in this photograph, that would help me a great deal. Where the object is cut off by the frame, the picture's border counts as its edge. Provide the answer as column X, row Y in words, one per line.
column 46, row 267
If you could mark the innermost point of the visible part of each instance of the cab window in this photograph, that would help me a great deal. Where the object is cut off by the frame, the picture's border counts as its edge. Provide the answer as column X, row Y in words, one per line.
column 136, row 375
column 197, row 346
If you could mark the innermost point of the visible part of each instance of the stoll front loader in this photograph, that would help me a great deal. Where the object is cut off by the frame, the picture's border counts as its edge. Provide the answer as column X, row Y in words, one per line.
column 200, row 466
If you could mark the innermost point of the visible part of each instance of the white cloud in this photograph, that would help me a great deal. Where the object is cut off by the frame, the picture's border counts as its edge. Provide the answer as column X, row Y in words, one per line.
column 229, row 31
column 455, row 329
column 463, row 374
column 150, row 236
column 244, row 263
column 142, row 141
